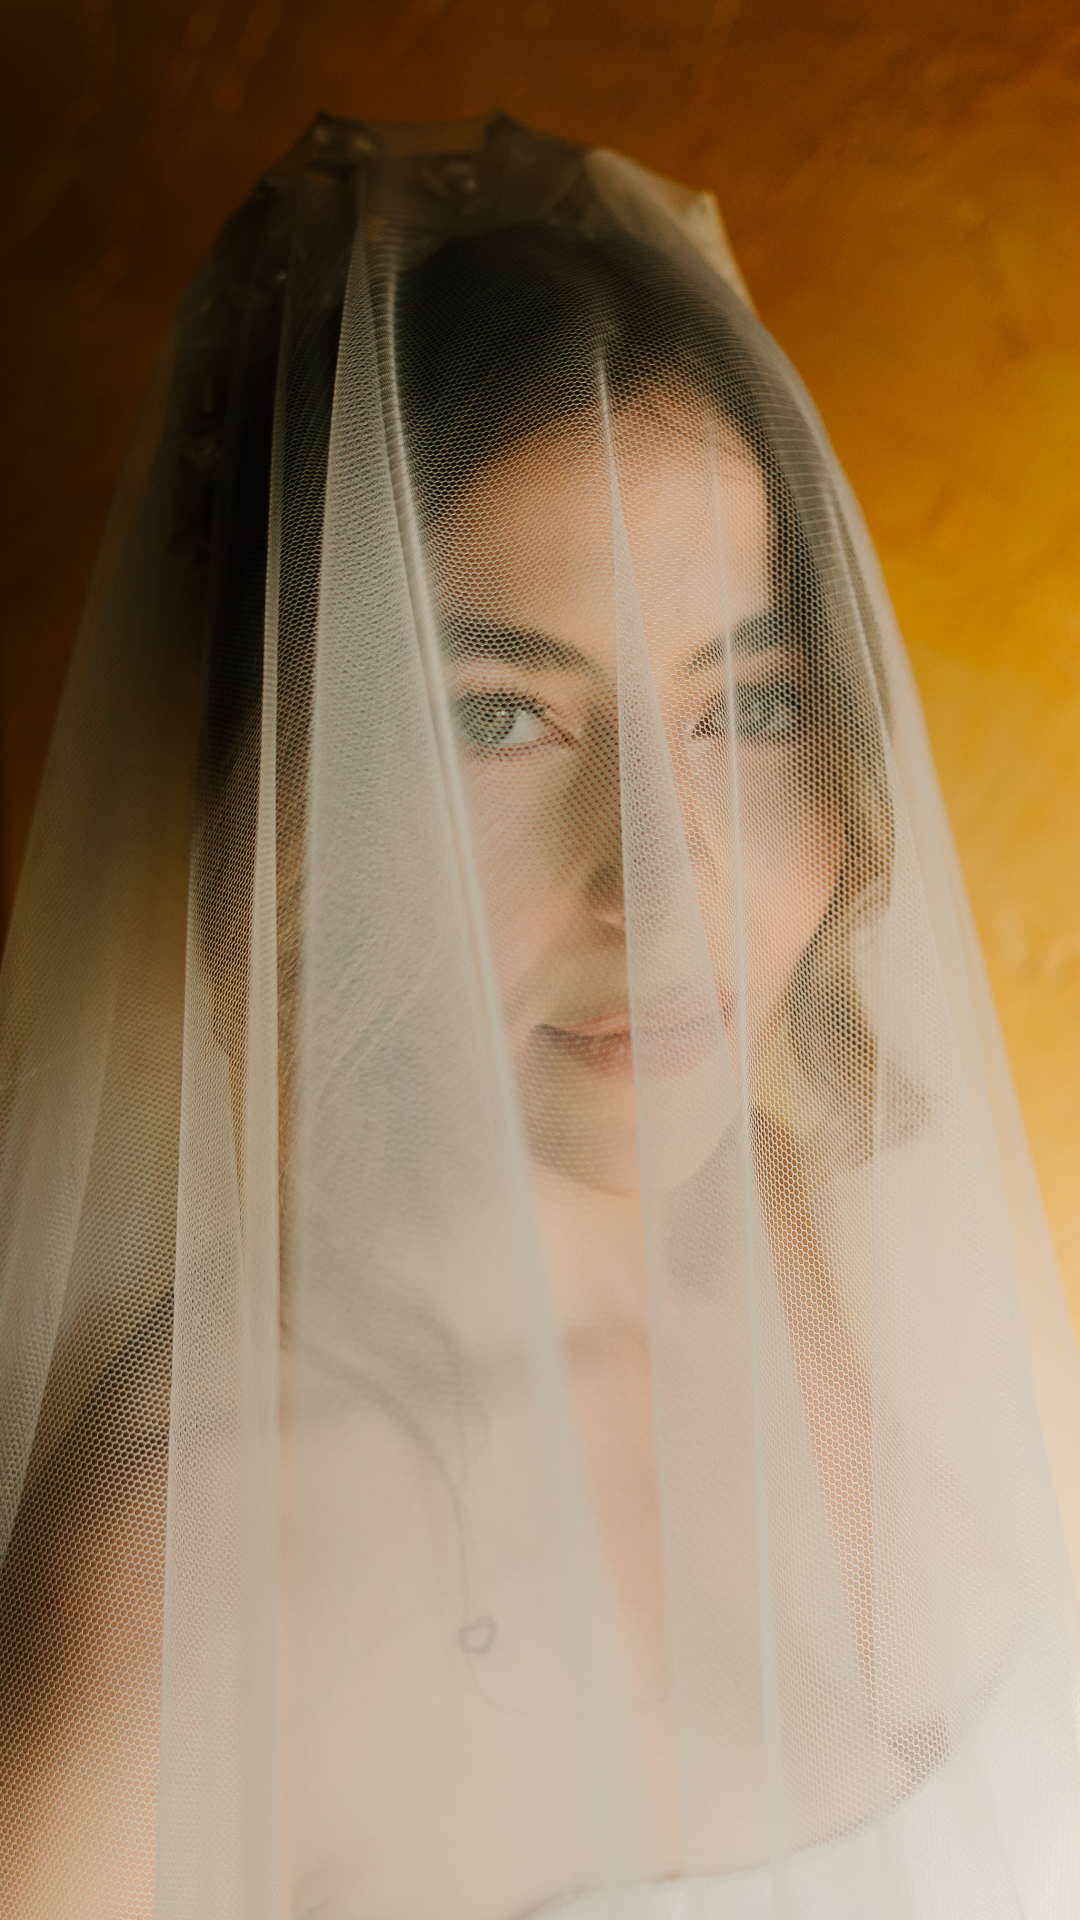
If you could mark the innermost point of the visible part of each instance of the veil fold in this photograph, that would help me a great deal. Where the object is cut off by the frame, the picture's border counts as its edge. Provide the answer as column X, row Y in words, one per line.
column 532, row 1374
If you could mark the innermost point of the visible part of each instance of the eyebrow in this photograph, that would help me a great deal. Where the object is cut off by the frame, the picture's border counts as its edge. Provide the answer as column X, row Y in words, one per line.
column 756, row 634
column 520, row 646
column 529, row 647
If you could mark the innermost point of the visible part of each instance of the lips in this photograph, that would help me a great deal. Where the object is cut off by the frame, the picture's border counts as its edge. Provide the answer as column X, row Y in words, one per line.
column 603, row 1044
column 671, row 1036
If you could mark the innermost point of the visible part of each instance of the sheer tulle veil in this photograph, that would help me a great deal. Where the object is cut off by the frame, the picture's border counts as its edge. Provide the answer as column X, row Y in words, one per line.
column 532, row 1374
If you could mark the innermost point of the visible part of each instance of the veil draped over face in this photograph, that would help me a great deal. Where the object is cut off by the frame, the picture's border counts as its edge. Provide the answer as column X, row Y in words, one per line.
column 531, row 1371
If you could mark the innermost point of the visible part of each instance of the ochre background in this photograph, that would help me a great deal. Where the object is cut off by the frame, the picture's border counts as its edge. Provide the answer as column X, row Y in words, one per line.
column 901, row 181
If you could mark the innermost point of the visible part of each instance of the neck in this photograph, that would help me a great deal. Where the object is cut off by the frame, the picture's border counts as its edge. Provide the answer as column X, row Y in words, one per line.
column 595, row 1254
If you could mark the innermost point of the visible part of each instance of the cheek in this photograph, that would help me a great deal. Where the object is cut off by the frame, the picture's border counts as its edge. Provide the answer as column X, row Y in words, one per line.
column 790, row 850
column 519, row 844
column 790, row 870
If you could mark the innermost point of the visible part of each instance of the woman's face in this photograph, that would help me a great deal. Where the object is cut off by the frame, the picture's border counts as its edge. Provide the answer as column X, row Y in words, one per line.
column 524, row 575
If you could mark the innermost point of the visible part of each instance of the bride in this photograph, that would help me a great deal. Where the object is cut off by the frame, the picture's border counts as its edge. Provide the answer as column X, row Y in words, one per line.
column 516, row 1387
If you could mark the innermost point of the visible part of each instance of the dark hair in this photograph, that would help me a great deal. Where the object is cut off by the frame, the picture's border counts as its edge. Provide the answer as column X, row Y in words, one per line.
column 505, row 332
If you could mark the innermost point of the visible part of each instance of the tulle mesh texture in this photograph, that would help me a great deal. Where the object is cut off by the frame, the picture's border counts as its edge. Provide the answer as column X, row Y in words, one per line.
column 532, row 1375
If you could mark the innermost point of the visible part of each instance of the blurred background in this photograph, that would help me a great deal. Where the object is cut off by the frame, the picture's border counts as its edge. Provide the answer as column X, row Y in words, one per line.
column 901, row 183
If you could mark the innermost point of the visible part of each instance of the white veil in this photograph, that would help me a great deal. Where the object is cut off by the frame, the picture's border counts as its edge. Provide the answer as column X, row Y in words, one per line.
column 531, row 1369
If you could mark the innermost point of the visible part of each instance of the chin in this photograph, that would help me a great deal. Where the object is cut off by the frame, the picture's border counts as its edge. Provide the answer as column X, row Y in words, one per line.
column 598, row 1164
column 580, row 1124
column 598, row 1153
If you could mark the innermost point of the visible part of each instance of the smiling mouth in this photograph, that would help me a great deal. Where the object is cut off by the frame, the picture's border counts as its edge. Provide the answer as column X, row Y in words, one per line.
column 602, row 1045
column 673, row 1037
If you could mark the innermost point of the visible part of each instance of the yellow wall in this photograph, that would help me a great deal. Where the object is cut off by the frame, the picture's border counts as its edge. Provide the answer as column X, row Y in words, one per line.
column 909, row 223
column 901, row 180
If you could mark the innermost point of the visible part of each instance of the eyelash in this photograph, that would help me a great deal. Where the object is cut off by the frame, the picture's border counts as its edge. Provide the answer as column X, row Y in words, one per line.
column 471, row 707
column 764, row 710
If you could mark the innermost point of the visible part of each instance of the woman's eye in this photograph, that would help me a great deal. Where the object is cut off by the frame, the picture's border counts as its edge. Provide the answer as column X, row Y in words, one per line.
column 490, row 721
column 764, row 710
column 769, row 710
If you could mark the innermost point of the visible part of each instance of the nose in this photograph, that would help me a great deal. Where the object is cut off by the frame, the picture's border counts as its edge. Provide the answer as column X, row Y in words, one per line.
column 599, row 804
column 606, row 896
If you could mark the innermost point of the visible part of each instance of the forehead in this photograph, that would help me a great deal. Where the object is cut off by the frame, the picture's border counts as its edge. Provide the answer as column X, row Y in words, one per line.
column 529, row 541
